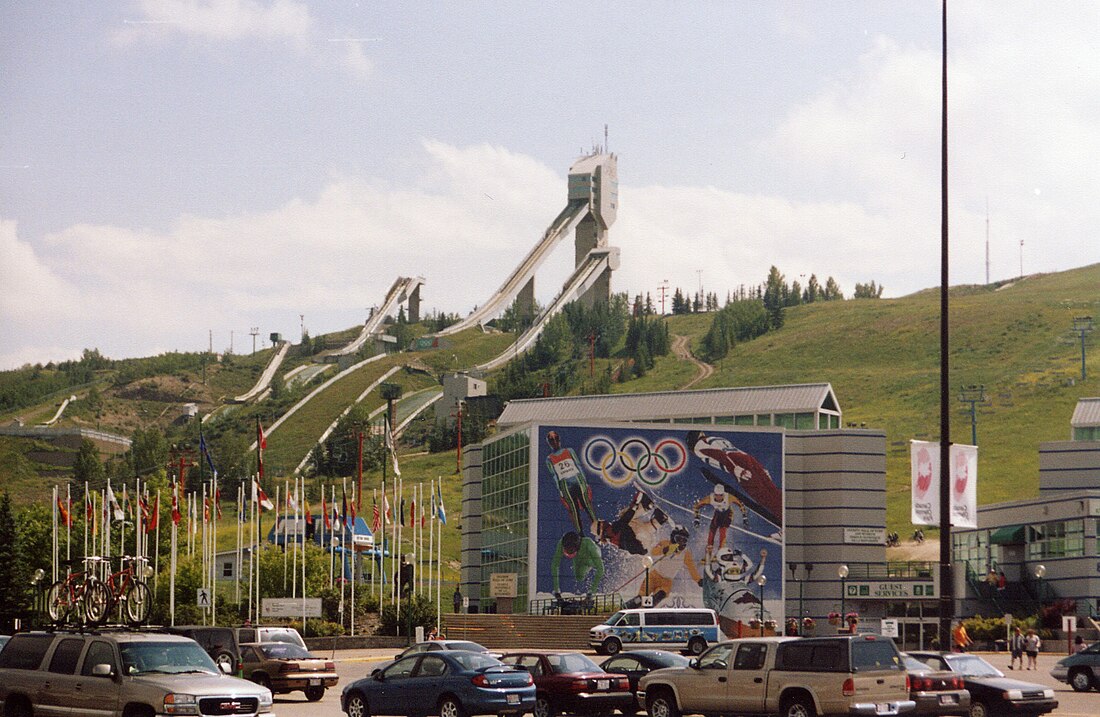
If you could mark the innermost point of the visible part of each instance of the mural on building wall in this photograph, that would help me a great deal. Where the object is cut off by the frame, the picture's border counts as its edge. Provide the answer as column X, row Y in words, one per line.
column 662, row 516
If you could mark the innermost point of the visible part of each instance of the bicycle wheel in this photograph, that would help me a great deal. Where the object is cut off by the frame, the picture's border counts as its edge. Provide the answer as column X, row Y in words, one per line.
column 96, row 601
column 136, row 600
column 58, row 604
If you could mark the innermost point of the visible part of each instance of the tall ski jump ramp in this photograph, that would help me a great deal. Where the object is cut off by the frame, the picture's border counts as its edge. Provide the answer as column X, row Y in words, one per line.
column 591, row 207
column 404, row 289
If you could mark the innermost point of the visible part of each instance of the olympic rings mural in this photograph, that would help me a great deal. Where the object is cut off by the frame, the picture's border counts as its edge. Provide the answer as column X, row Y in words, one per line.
column 635, row 459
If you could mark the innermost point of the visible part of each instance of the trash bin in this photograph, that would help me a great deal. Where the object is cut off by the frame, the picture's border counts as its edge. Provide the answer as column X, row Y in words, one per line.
column 1000, row 645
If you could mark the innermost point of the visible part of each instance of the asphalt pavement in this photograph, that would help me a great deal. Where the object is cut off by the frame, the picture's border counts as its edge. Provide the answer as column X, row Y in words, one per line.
column 354, row 664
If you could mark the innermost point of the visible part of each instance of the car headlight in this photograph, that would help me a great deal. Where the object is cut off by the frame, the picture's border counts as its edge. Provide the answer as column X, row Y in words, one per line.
column 180, row 704
column 1048, row 694
column 265, row 701
column 1014, row 695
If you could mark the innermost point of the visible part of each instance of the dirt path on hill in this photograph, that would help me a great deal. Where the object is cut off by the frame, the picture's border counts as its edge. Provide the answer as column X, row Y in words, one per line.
column 680, row 348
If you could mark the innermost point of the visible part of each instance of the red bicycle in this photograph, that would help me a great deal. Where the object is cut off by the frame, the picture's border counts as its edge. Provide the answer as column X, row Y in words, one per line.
column 80, row 593
column 128, row 588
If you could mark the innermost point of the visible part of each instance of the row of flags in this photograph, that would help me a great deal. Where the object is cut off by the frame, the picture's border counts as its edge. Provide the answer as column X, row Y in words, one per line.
column 331, row 514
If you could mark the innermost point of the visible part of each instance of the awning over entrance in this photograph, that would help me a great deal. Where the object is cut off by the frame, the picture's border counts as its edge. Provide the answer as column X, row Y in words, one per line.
column 1008, row 535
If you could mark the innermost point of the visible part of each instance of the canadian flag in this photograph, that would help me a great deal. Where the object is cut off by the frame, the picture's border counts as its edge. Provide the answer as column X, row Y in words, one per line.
column 176, row 503
column 258, row 496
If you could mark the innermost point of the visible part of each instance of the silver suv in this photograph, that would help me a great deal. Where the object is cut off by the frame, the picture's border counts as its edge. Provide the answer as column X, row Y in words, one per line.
column 119, row 674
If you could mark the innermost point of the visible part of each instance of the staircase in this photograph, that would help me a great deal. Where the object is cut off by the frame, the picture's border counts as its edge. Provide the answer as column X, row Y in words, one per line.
column 509, row 632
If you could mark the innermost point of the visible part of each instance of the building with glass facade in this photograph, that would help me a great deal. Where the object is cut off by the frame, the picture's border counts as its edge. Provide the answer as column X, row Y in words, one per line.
column 616, row 499
column 1046, row 547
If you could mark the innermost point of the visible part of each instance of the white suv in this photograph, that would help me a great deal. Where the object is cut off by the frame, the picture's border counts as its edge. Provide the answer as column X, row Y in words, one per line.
column 120, row 673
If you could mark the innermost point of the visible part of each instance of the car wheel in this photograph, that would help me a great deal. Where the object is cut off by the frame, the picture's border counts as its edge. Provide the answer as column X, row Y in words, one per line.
column 450, row 707
column 697, row 645
column 314, row 694
column 797, row 706
column 262, row 680
column 978, row 709
column 18, row 708
column 612, row 646
column 357, row 706
column 1080, row 681
column 225, row 658
column 543, row 707
column 662, row 704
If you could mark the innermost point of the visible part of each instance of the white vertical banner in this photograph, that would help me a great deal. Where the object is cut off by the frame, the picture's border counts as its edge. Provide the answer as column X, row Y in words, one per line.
column 925, row 478
column 964, row 486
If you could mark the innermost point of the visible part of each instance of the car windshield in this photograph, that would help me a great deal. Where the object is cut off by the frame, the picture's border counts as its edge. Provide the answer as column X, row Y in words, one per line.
column 572, row 662
column 476, row 660
column 165, row 657
column 284, row 651
column 470, row 646
column 973, row 666
column 614, row 619
column 669, row 659
column 912, row 664
column 277, row 635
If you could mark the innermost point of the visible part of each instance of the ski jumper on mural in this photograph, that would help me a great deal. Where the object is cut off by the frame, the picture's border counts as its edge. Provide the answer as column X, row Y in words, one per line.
column 572, row 485
column 587, row 563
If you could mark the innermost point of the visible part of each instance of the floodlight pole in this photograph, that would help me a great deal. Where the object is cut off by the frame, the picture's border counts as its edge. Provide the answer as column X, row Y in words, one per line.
column 973, row 395
column 1082, row 326
column 947, row 591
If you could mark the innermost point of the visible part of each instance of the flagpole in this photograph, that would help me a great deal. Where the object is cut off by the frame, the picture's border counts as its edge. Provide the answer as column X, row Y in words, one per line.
column 156, row 548
column 87, row 518
column 304, row 511
column 172, row 571
column 214, row 549
column 294, row 547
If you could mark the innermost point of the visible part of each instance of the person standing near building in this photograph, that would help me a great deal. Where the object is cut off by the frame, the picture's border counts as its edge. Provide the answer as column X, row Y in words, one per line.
column 457, row 600
column 1016, row 647
column 959, row 638
column 1032, row 643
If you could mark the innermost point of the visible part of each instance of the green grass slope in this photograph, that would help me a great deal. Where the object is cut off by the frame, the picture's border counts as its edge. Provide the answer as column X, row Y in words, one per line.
column 882, row 358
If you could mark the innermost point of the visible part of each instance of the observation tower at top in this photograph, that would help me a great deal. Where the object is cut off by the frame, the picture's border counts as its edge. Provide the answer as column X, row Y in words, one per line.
column 594, row 185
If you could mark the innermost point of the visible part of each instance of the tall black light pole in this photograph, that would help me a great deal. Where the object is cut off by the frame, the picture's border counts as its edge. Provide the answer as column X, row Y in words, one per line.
column 947, row 590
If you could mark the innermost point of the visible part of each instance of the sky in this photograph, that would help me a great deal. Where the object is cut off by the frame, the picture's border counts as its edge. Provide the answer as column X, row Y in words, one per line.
column 174, row 173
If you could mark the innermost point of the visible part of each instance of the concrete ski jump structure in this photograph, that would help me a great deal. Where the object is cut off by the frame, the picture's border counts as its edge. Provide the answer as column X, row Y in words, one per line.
column 404, row 289
column 591, row 207
column 265, row 378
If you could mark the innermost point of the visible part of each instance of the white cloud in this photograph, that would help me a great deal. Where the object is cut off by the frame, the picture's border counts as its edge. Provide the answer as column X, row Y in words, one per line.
column 237, row 20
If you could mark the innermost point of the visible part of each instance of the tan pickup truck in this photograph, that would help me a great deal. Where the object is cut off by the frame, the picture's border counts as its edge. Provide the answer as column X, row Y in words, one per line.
column 787, row 676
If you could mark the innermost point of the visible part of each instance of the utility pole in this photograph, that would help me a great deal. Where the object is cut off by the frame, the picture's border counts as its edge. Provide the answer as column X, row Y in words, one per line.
column 1082, row 326
column 973, row 394
column 663, row 288
column 255, row 332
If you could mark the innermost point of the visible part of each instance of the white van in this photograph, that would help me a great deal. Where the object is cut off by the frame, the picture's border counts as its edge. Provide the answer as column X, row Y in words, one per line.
column 690, row 630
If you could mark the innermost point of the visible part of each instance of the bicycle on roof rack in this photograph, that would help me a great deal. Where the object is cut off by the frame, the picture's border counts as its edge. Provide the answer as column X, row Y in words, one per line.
column 129, row 591
column 80, row 595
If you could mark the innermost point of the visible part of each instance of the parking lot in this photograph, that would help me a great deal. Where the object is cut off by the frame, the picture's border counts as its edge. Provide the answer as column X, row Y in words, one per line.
column 353, row 664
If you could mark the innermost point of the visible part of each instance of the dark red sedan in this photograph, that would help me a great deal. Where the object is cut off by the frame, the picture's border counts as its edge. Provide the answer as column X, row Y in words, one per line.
column 571, row 683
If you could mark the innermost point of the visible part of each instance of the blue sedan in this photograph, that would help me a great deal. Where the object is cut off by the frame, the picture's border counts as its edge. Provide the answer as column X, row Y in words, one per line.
column 444, row 683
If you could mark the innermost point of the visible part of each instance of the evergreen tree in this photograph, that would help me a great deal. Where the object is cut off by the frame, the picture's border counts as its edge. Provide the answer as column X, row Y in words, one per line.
column 832, row 290
column 867, row 291
column 88, row 468
column 14, row 569
column 774, row 291
column 813, row 290
column 796, row 294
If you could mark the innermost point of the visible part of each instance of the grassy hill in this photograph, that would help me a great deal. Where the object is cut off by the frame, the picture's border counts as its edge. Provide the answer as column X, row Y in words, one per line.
column 880, row 355
column 882, row 358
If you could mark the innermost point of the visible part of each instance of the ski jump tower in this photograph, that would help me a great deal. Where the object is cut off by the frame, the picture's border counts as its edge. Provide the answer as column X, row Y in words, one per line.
column 591, row 206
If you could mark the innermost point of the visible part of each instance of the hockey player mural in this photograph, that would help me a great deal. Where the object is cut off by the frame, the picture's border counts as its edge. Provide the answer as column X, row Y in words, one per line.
column 683, row 517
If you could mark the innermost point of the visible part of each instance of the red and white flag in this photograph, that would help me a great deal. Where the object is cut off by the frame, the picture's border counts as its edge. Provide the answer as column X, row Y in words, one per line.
column 258, row 496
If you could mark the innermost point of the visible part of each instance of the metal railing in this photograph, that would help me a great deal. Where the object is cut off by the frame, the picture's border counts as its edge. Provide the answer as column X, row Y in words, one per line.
column 598, row 604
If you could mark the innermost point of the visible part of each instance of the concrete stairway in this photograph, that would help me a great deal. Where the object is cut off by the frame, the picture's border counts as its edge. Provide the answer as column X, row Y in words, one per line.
column 509, row 632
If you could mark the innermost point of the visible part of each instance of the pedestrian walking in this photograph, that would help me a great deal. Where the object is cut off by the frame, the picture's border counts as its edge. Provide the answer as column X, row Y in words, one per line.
column 1016, row 647
column 1032, row 643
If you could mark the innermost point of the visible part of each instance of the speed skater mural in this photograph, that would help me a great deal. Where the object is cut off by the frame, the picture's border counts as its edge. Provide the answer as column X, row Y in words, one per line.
column 688, row 517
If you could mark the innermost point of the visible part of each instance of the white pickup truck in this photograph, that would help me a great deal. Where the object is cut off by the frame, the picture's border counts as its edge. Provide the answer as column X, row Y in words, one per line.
column 787, row 676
